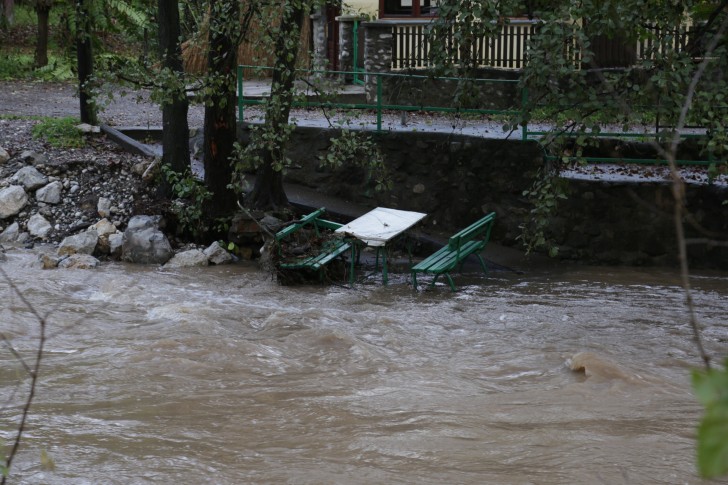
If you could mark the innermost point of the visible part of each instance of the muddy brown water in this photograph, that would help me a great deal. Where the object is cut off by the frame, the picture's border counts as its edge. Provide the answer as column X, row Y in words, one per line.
column 221, row 376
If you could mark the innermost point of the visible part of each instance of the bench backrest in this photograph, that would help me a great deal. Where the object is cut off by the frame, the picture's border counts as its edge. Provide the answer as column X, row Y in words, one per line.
column 307, row 219
column 324, row 224
column 479, row 230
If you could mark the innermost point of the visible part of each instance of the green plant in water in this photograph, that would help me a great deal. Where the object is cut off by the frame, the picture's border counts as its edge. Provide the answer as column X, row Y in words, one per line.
column 189, row 196
column 358, row 149
column 711, row 389
column 545, row 194
column 59, row 132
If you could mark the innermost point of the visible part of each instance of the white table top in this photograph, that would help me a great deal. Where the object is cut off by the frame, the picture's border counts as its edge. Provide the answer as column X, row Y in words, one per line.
column 380, row 225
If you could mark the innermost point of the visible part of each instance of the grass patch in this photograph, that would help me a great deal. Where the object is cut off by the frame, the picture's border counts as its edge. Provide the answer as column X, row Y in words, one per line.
column 59, row 132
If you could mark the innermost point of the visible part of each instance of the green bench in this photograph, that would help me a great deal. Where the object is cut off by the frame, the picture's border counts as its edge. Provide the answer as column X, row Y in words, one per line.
column 320, row 255
column 470, row 240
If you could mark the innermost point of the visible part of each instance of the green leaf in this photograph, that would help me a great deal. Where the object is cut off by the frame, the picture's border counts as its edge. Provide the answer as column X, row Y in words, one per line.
column 713, row 442
column 711, row 389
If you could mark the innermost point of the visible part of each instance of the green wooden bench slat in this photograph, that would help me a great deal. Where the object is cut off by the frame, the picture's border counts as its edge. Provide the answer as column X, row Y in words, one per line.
column 470, row 240
column 445, row 259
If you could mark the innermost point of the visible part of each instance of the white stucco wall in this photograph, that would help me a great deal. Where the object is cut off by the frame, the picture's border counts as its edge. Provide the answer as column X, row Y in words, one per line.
column 365, row 7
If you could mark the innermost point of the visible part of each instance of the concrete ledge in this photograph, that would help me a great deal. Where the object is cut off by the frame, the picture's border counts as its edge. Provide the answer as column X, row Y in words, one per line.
column 128, row 143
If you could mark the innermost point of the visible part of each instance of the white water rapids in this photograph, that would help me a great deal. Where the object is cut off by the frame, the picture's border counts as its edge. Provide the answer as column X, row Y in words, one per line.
column 221, row 376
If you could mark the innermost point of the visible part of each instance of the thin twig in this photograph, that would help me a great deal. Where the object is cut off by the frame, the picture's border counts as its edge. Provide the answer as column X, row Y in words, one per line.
column 15, row 353
column 679, row 192
column 34, row 372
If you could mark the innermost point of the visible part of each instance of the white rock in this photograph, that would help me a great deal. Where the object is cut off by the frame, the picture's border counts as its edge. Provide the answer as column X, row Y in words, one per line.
column 86, row 128
column 30, row 178
column 144, row 243
column 216, row 254
column 193, row 257
column 12, row 201
column 10, row 234
column 115, row 242
column 83, row 243
column 50, row 194
column 104, row 227
column 38, row 226
column 104, row 207
column 33, row 157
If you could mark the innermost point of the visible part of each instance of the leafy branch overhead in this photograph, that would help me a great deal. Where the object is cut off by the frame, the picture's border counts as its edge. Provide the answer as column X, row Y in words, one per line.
column 711, row 389
column 358, row 149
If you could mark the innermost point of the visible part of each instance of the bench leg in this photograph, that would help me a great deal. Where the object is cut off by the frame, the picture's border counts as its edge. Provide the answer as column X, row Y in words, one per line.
column 414, row 280
column 434, row 280
column 449, row 280
column 351, row 267
column 482, row 263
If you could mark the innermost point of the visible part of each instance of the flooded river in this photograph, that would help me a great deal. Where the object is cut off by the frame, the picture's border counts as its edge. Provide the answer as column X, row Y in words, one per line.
column 221, row 376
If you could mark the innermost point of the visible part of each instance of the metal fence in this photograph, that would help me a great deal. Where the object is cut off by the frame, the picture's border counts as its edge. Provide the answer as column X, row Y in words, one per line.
column 379, row 106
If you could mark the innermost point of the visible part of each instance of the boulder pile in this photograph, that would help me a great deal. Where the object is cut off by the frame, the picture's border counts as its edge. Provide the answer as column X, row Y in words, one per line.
column 84, row 200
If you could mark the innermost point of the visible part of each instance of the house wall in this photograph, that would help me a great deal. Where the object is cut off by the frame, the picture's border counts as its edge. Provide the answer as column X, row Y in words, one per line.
column 368, row 8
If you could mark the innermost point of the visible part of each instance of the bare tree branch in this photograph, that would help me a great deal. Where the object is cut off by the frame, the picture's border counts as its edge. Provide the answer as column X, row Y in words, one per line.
column 34, row 372
column 679, row 192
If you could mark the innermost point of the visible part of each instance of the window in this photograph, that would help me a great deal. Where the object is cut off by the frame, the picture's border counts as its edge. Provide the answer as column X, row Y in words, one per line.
column 407, row 8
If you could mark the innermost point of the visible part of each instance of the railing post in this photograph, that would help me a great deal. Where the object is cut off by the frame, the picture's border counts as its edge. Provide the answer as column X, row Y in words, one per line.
column 348, row 25
column 241, row 108
column 524, row 124
column 355, row 64
column 379, row 102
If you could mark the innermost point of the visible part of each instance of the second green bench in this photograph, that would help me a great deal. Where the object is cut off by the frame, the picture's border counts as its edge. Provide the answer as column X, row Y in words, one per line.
column 470, row 240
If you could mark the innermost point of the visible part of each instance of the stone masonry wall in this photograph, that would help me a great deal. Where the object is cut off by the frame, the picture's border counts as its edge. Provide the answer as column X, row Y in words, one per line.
column 457, row 179
column 496, row 93
column 377, row 55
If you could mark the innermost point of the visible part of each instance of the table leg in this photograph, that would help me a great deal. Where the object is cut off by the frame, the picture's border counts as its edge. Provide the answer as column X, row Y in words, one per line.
column 354, row 255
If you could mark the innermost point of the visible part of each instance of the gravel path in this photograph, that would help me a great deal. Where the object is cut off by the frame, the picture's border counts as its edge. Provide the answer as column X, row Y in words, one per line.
column 61, row 100
column 135, row 109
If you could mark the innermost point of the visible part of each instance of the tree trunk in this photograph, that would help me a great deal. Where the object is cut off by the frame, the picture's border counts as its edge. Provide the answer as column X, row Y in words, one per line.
column 220, row 120
column 7, row 16
column 85, row 60
column 42, row 11
column 175, row 129
column 268, row 192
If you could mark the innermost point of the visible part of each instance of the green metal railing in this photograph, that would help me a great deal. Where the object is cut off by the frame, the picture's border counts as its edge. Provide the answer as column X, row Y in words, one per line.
column 379, row 106
column 355, row 62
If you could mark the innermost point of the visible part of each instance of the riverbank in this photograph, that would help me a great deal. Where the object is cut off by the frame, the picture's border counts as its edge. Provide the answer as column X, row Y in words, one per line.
column 103, row 172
